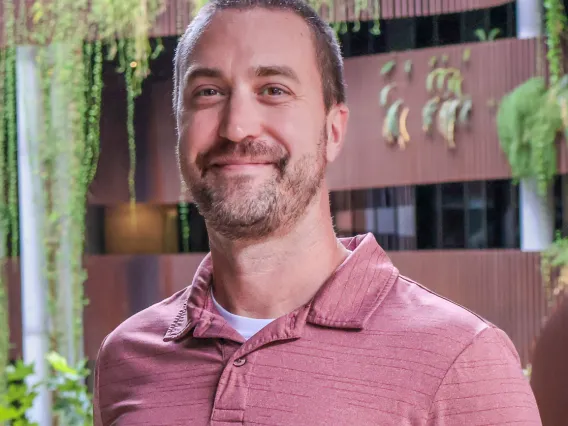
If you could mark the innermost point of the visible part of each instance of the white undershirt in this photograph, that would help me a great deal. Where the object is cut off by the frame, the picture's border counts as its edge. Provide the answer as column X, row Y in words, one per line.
column 246, row 327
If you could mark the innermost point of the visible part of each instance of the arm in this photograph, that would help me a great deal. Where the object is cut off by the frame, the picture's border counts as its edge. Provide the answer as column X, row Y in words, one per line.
column 485, row 386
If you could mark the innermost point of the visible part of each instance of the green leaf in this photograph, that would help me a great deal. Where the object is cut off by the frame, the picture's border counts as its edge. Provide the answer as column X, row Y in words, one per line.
column 493, row 34
column 466, row 55
column 443, row 119
column 388, row 67
column 442, row 73
column 432, row 61
column 376, row 28
column 480, row 34
column 428, row 112
column 59, row 363
column 392, row 119
column 455, row 84
column 356, row 27
column 19, row 371
column 408, row 66
column 385, row 93
column 465, row 111
column 8, row 413
column 430, row 80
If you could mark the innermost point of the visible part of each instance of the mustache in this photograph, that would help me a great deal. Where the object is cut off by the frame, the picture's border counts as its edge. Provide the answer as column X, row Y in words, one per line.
column 249, row 149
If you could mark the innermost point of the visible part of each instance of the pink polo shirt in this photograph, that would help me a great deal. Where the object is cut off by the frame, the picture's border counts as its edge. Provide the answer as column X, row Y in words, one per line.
column 371, row 348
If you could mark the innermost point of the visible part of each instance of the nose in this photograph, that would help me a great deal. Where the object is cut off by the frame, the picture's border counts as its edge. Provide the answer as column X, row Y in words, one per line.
column 241, row 118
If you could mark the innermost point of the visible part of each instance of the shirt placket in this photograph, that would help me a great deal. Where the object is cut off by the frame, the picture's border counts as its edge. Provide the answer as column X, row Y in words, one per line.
column 234, row 384
column 232, row 390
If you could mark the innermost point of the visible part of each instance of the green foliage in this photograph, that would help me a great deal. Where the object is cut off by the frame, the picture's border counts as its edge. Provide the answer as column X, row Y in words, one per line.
column 466, row 56
column 391, row 130
column 376, row 28
column 556, row 22
column 383, row 96
column 528, row 122
column 482, row 35
column 408, row 66
column 448, row 102
column 19, row 397
column 448, row 80
column 428, row 112
column 432, row 61
column 340, row 27
column 72, row 404
column 465, row 110
column 555, row 259
column 387, row 68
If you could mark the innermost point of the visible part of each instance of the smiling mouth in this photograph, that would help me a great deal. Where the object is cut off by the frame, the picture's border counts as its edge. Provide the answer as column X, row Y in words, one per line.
column 235, row 163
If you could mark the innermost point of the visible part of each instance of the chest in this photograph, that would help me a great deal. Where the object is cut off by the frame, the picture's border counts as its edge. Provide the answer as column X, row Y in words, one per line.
column 291, row 383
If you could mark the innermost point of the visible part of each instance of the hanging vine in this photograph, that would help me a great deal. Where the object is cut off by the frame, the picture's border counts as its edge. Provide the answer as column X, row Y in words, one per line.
column 555, row 32
column 8, row 176
column 4, row 226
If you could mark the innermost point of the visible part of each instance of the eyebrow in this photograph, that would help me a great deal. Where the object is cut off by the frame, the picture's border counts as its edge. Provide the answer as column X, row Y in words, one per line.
column 276, row 70
column 195, row 72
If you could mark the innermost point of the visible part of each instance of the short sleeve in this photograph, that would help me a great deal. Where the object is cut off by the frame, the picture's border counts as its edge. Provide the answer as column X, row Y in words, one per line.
column 485, row 386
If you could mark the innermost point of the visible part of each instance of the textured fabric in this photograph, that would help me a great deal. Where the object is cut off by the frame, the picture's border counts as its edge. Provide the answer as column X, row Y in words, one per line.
column 371, row 348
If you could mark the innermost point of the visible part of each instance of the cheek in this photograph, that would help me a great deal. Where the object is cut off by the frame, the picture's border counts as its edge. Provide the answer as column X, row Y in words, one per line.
column 199, row 134
column 299, row 130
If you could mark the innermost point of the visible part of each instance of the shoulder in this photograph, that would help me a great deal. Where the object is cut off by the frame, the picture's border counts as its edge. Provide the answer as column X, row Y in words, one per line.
column 421, row 307
column 143, row 329
column 432, row 322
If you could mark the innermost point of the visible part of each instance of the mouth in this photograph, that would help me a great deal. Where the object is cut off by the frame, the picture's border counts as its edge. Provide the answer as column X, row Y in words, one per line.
column 240, row 164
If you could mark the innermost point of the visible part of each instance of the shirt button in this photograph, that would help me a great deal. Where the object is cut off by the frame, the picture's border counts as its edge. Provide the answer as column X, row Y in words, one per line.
column 239, row 362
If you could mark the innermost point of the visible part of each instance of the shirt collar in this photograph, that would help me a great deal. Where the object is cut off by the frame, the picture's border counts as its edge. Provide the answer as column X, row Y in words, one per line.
column 346, row 300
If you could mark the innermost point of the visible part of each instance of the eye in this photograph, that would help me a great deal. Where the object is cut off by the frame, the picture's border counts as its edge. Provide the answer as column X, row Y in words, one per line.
column 273, row 91
column 207, row 92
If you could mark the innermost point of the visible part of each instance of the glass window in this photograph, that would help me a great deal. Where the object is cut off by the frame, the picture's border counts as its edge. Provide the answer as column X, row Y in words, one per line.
column 426, row 217
column 476, row 215
column 453, row 215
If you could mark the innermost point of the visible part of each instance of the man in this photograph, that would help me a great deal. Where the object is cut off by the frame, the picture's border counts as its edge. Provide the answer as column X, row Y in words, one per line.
column 283, row 323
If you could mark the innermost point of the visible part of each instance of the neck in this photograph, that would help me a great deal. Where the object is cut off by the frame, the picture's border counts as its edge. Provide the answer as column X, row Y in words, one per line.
column 272, row 277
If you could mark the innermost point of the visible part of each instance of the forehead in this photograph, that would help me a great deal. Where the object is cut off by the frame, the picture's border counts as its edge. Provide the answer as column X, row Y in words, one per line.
column 240, row 39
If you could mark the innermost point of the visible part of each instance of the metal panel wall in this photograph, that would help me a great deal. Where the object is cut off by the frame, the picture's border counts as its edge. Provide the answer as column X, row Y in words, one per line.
column 367, row 161
column 177, row 15
column 503, row 286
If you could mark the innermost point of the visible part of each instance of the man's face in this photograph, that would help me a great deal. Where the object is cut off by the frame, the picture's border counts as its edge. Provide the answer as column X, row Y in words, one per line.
column 253, row 131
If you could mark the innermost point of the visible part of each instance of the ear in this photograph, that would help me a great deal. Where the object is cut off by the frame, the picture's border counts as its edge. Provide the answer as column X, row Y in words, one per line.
column 336, row 127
